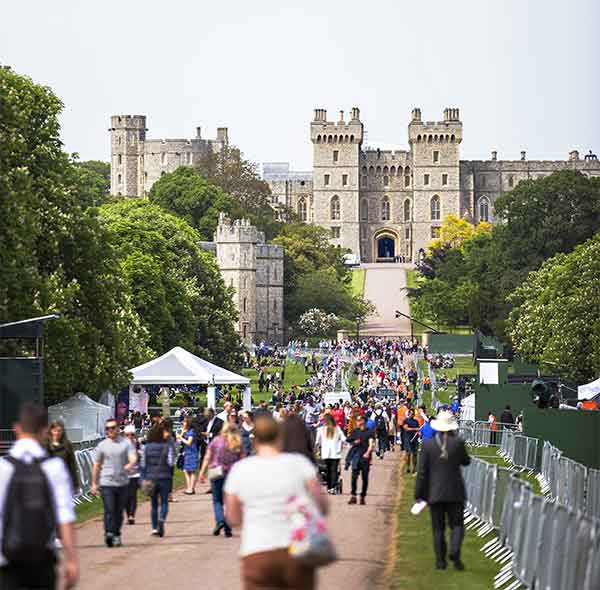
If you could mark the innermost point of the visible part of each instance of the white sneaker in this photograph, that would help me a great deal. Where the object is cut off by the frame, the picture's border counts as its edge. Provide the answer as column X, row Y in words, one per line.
column 117, row 541
column 155, row 532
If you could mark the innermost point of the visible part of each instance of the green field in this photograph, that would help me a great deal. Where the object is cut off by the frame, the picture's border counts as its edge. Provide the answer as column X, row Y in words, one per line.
column 358, row 282
column 414, row 560
column 294, row 375
column 462, row 365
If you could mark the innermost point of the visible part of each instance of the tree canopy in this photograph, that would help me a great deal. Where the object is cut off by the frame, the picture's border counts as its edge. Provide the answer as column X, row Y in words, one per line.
column 556, row 314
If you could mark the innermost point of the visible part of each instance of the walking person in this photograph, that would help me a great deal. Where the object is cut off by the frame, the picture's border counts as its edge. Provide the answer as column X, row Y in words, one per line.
column 330, row 439
column 410, row 435
column 190, row 455
column 36, row 498
column 59, row 445
column 114, row 461
column 134, row 475
column 440, row 484
column 247, row 433
column 157, row 461
column 258, row 491
column 222, row 453
column 359, row 457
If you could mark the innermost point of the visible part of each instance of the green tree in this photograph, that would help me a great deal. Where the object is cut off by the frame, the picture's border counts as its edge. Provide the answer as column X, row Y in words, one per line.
column 556, row 315
column 176, row 286
column 54, row 256
column 239, row 178
column 188, row 195
column 94, row 182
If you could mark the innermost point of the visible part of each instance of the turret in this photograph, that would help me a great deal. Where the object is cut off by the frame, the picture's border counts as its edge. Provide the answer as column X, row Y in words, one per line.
column 128, row 133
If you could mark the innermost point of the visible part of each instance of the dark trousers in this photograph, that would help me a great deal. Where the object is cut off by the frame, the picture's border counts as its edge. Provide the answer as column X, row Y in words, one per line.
column 332, row 472
column 40, row 577
column 363, row 470
column 159, row 501
column 382, row 443
column 132, row 489
column 114, row 499
column 454, row 512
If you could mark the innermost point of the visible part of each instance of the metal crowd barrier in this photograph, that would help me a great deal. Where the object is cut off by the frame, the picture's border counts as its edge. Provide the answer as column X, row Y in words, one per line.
column 569, row 482
column 483, row 434
column 85, row 461
column 540, row 544
column 518, row 449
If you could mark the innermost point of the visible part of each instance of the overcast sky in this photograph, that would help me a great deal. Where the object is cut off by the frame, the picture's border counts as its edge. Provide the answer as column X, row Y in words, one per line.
column 525, row 74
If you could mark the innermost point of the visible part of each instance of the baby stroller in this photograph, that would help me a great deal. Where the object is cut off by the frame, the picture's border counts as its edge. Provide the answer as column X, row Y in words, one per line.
column 323, row 475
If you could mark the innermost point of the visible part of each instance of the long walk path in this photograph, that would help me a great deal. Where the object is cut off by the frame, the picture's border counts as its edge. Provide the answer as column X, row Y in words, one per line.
column 385, row 286
column 190, row 557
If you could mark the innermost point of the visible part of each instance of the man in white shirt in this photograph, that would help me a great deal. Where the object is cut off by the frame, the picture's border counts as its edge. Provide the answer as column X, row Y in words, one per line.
column 224, row 415
column 31, row 430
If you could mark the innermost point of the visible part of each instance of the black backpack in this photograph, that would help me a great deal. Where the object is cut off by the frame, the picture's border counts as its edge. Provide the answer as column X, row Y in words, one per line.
column 380, row 423
column 29, row 519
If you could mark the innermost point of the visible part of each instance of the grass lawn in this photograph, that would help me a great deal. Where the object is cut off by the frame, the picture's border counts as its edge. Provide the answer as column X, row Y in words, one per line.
column 358, row 281
column 94, row 509
column 414, row 566
column 462, row 365
column 294, row 375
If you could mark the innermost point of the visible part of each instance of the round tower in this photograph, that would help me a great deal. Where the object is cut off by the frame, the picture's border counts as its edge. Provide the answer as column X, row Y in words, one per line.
column 127, row 136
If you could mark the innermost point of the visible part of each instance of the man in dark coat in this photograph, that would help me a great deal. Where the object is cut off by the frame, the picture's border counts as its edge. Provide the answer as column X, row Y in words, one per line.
column 440, row 484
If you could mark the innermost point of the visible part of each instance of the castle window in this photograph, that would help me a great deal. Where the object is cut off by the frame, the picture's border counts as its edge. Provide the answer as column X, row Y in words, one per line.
column 145, row 176
column 444, row 179
column 335, row 232
column 245, row 305
column 436, row 157
column 302, row 209
column 364, row 169
column 336, row 155
column 119, row 140
column 407, row 210
column 363, row 181
column 275, row 305
column 244, row 331
column 407, row 232
column 330, row 139
column 484, row 209
column 399, row 170
column 371, row 170
column 407, row 180
column 326, row 180
column 386, row 180
column 426, row 179
column 364, row 210
column 318, row 139
column 302, row 183
column 119, row 179
column 352, row 139
column 393, row 170
column 385, row 170
column 435, row 208
column 385, row 209
column 378, row 170
column 511, row 181
column 335, row 207
column 120, row 158
column 344, row 180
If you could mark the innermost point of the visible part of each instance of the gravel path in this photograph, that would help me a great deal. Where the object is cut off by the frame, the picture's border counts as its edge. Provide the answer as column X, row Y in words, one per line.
column 189, row 556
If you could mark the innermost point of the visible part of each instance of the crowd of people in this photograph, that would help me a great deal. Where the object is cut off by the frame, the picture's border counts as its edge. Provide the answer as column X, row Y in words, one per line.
column 254, row 461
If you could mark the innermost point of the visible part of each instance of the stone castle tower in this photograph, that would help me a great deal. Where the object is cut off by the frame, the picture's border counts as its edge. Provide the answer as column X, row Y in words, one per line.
column 136, row 162
column 255, row 271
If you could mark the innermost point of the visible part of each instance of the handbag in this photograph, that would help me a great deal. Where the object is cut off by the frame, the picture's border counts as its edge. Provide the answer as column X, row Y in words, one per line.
column 310, row 543
column 215, row 473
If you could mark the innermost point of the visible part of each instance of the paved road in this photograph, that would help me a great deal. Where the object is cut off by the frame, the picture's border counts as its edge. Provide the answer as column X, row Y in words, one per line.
column 385, row 286
column 190, row 557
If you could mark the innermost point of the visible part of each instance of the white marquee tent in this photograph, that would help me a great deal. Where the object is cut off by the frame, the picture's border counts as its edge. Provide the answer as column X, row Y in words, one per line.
column 467, row 411
column 589, row 390
column 180, row 367
column 83, row 417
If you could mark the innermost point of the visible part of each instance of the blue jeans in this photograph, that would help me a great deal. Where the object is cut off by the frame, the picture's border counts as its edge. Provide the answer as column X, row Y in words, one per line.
column 114, row 499
column 162, row 487
column 217, row 486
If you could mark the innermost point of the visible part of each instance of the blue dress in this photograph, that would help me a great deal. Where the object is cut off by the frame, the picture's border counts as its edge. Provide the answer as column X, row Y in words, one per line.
column 190, row 452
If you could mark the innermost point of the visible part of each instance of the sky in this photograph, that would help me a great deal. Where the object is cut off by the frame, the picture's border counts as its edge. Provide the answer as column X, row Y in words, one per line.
column 525, row 74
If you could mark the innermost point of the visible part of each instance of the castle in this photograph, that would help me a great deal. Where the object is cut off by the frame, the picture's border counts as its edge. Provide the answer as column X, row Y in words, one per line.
column 253, row 268
column 387, row 205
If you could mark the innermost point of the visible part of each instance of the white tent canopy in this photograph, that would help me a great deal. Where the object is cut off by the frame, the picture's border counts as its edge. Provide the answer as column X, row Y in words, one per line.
column 83, row 417
column 589, row 391
column 467, row 411
column 180, row 367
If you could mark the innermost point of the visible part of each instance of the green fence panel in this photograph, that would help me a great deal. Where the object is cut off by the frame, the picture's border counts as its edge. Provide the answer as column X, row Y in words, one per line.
column 450, row 343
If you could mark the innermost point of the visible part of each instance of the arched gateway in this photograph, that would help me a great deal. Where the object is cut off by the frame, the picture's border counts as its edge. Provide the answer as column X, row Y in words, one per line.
column 386, row 246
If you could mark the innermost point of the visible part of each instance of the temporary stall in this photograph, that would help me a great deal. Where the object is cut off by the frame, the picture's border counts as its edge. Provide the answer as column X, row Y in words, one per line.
column 180, row 367
column 83, row 417
column 589, row 391
column 467, row 408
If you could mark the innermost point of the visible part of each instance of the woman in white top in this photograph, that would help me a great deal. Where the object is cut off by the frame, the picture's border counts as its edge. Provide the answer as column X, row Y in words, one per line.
column 257, row 492
column 330, row 439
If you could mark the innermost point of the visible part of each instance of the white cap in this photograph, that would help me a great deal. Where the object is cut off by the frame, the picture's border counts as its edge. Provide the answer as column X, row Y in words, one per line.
column 129, row 429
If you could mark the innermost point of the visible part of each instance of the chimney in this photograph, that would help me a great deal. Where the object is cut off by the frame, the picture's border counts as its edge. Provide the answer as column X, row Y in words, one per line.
column 222, row 135
column 355, row 114
column 317, row 115
column 416, row 115
column 523, row 155
column 494, row 155
column 573, row 155
column 341, row 121
column 199, row 132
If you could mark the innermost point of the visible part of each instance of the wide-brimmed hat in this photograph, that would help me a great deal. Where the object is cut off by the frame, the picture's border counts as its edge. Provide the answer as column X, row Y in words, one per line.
column 444, row 422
